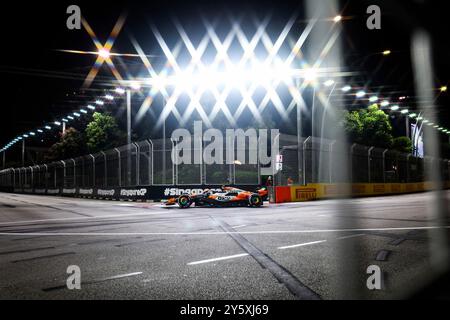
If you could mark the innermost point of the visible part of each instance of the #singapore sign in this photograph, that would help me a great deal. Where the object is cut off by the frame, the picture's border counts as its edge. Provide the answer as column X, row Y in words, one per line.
column 240, row 146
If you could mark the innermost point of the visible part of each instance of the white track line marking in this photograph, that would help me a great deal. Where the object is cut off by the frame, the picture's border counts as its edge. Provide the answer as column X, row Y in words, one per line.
column 211, row 233
column 218, row 259
column 123, row 276
column 82, row 218
column 351, row 236
column 239, row 226
column 301, row 244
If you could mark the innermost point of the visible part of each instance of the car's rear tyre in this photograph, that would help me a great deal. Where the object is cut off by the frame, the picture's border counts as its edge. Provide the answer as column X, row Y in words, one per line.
column 184, row 202
column 255, row 200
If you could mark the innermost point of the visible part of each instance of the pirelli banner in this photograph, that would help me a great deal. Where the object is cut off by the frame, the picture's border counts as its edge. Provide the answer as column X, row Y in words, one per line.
column 140, row 193
column 330, row 191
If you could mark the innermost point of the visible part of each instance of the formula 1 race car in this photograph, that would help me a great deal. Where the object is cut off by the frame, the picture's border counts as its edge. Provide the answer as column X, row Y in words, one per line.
column 228, row 197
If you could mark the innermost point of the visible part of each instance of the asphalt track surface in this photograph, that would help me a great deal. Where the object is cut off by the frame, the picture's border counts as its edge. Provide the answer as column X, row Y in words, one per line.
column 129, row 250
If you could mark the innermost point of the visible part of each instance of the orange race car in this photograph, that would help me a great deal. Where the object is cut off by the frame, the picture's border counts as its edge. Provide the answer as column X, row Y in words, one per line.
column 228, row 197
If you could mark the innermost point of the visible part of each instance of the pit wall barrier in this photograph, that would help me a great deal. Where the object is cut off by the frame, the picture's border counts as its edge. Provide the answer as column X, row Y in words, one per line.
column 318, row 191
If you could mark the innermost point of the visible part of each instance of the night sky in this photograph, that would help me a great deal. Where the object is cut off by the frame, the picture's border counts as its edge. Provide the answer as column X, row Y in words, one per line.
column 41, row 84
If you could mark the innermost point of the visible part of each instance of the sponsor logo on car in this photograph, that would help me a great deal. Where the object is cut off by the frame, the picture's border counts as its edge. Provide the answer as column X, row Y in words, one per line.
column 223, row 198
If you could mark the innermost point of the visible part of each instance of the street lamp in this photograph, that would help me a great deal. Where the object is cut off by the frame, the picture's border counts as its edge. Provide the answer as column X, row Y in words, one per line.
column 328, row 83
column 337, row 18
column 120, row 90
column 386, row 52
column 105, row 54
column 135, row 85
column 346, row 88
column 309, row 74
column 384, row 103
column 360, row 94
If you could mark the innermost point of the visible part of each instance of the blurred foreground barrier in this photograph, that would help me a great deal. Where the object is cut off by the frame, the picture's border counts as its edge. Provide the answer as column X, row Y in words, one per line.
column 318, row 191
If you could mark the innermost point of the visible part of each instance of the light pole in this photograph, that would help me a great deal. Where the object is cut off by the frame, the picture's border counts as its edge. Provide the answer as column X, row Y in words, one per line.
column 299, row 132
column 309, row 76
column 23, row 152
column 133, row 86
column 405, row 113
column 128, row 137
column 326, row 106
column 128, row 116
column 164, row 150
column 407, row 126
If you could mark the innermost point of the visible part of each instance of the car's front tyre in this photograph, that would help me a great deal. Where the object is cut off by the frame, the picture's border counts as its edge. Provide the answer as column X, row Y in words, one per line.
column 184, row 202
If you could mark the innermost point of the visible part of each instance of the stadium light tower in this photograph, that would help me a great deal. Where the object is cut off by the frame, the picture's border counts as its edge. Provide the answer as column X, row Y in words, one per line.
column 104, row 53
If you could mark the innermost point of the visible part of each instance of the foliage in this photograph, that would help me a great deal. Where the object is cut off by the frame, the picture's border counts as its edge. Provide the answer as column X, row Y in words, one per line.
column 402, row 144
column 71, row 145
column 369, row 127
column 103, row 133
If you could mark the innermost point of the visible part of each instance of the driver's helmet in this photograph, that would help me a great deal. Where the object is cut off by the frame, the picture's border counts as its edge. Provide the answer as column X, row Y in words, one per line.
column 207, row 192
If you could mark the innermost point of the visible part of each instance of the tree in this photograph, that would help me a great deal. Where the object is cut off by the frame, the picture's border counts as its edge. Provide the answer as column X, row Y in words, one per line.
column 369, row 127
column 103, row 133
column 402, row 144
column 71, row 145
